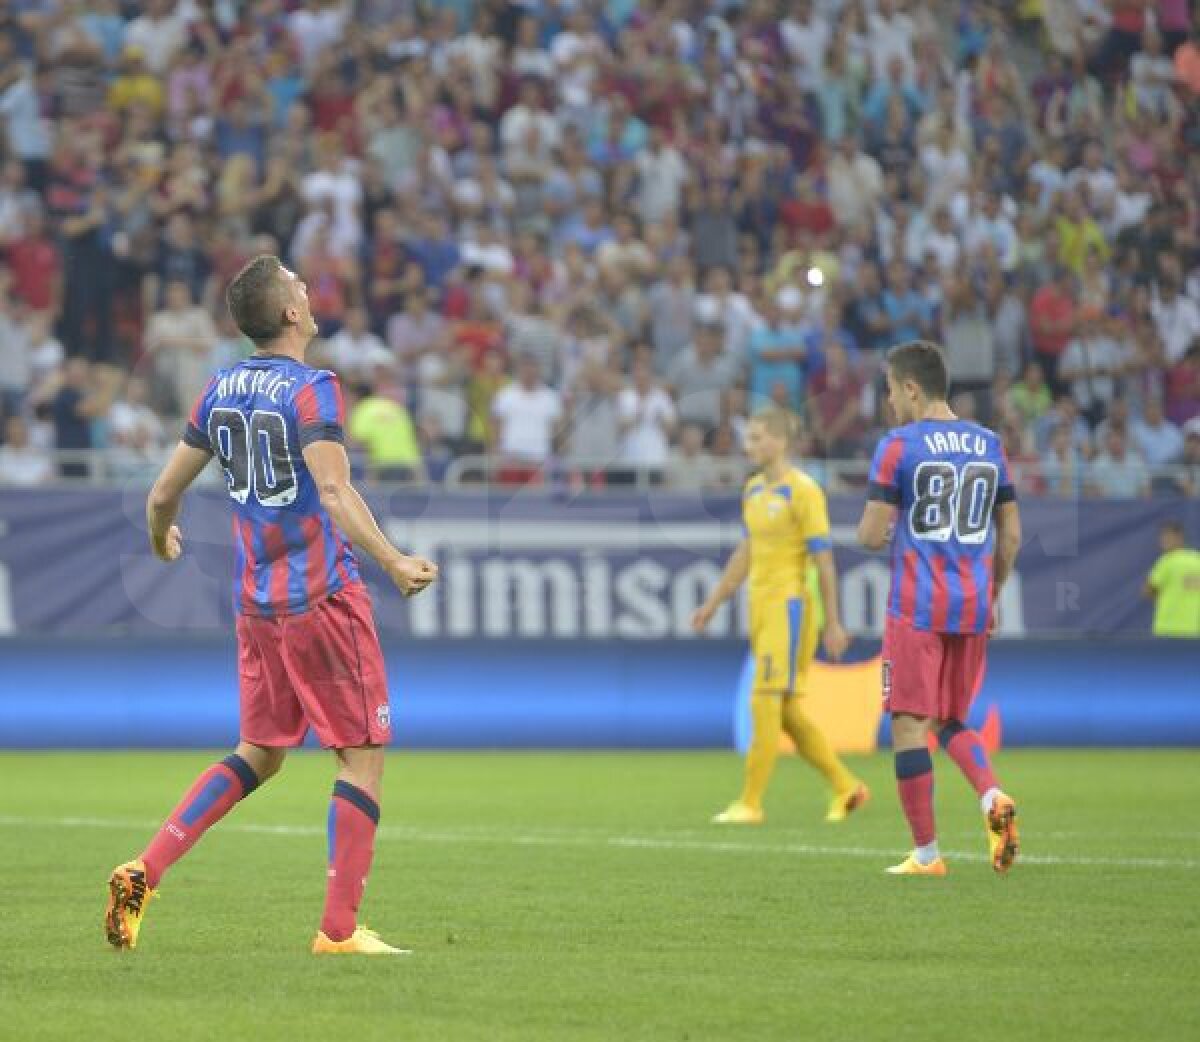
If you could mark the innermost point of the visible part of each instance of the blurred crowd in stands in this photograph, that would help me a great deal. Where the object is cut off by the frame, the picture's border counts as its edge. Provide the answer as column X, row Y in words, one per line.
column 604, row 232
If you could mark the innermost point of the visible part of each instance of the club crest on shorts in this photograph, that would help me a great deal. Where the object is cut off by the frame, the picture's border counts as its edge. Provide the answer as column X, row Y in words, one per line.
column 383, row 716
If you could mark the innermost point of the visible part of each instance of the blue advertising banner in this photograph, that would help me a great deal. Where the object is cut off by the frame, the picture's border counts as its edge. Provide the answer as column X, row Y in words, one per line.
column 526, row 565
column 177, row 691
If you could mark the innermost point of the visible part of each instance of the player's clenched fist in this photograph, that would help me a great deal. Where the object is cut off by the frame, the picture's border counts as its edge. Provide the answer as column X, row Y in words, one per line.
column 412, row 574
column 171, row 547
column 835, row 640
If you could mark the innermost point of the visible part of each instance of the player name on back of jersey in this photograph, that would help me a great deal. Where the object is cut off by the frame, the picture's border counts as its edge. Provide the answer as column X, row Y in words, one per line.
column 963, row 442
column 254, row 381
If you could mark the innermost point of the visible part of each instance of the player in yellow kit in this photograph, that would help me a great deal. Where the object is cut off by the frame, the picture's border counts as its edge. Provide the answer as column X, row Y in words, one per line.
column 787, row 525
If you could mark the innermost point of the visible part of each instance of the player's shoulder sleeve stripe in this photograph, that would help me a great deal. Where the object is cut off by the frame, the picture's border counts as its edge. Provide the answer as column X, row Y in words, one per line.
column 1005, row 490
column 196, row 438
column 194, row 432
column 883, row 481
column 753, row 486
column 320, row 409
column 200, row 406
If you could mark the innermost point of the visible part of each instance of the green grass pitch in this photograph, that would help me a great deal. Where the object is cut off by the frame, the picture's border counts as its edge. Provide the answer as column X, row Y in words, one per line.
column 583, row 896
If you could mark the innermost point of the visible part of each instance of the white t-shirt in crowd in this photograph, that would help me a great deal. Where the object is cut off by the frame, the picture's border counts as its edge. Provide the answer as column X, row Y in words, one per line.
column 1178, row 325
column 527, row 420
column 646, row 442
column 158, row 39
column 24, row 467
column 661, row 177
column 357, row 356
column 313, row 31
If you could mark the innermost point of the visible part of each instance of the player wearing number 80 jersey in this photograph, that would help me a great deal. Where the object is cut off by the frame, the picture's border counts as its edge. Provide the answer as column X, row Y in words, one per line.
column 257, row 418
column 940, row 489
column 945, row 476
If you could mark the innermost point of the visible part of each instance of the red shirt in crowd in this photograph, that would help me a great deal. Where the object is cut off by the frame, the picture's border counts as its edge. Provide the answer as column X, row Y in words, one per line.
column 1051, row 313
column 36, row 268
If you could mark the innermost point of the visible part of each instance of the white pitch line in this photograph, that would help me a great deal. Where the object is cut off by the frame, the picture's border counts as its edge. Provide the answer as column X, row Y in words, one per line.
column 600, row 839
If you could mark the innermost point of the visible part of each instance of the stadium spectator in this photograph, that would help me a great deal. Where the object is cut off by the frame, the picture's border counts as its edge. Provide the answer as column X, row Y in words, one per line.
column 1158, row 440
column 778, row 352
column 968, row 340
column 1030, row 397
column 1092, row 363
column 691, row 466
column 16, row 369
column 46, row 352
column 700, row 375
column 1052, row 323
column 28, row 136
column 36, row 264
column 1183, row 387
column 383, row 427
column 645, row 417
column 671, row 305
column 1187, row 62
column 181, row 342
column 527, row 414
column 136, row 434
column 1117, row 471
column 1188, row 480
column 836, row 402
column 158, row 33
column 77, row 395
column 592, row 157
column 592, row 430
column 1177, row 318
column 18, row 204
column 354, row 352
column 21, row 463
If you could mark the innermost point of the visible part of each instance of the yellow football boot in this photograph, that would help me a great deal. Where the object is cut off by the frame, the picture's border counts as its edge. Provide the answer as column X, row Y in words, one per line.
column 910, row 866
column 1003, row 841
column 128, row 896
column 361, row 942
column 738, row 813
column 846, row 803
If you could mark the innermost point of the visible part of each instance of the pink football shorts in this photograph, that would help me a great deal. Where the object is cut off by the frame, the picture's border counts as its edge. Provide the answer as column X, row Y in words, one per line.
column 934, row 675
column 322, row 669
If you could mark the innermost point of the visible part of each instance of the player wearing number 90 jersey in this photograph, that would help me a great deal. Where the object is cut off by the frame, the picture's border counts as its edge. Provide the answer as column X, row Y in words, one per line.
column 940, row 490
column 257, row 418
column 308, row 654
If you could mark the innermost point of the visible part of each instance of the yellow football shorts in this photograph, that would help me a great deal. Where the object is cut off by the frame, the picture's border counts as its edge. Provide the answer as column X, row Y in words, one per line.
column 783, row 640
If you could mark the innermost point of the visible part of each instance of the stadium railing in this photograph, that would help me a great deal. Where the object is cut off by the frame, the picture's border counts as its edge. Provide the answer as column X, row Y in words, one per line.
column 108, row 467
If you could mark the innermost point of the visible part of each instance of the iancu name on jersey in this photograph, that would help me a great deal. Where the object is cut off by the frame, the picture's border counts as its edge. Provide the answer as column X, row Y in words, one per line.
column 965, row 442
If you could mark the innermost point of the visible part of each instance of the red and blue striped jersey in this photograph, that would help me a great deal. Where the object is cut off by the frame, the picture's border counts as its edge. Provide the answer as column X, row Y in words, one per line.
column 945, row 477
column 256, row 418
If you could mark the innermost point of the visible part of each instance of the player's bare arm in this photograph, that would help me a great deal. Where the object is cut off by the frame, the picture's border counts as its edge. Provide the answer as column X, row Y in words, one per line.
column 731, row 579
column 1008, row 542
column 162, row 505
column 330, row 468
column 874, row 530
column 834, row 638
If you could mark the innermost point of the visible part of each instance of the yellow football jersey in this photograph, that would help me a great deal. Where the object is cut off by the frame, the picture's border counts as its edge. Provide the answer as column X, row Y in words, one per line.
column 786, row 521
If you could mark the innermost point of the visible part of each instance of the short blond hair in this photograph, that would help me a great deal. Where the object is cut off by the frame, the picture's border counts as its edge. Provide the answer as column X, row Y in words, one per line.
column 779, row 422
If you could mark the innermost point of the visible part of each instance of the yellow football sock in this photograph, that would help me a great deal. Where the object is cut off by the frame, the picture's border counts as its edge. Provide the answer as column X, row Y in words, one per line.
column 766, row 712
column 812, row 744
